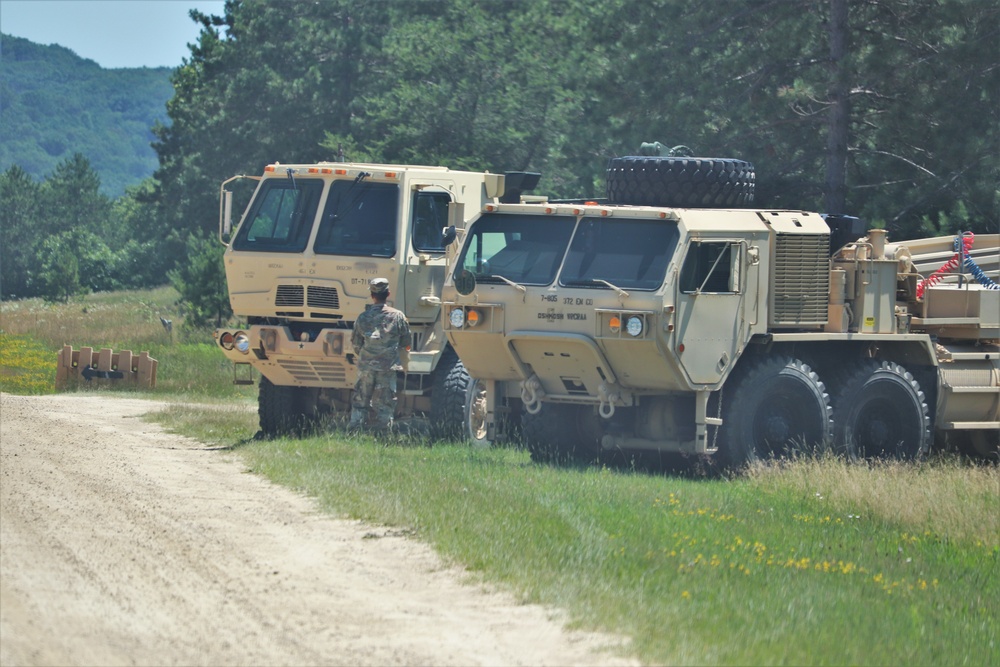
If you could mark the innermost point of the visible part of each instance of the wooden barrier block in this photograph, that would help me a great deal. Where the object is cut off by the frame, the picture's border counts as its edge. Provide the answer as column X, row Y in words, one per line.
column 104, row 367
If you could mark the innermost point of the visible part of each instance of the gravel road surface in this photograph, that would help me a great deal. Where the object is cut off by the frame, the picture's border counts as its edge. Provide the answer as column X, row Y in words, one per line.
column 124, row 545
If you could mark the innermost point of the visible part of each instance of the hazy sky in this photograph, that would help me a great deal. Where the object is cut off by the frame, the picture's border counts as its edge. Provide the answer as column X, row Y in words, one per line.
column 112, row 33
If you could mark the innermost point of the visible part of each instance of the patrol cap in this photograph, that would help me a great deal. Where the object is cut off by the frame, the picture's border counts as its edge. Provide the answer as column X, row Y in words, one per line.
column 379, row 285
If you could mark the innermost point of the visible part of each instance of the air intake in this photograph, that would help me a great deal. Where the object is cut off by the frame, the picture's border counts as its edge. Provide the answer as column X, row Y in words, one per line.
column 801, row 281
column 289, row 295
column 323, row 297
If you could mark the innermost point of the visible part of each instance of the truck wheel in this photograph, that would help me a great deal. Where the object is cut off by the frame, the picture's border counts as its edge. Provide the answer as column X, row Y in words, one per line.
column 776, row 406
column 552, row 435
column 458, row 403
column 680, row 181
column 880, row 412
column 284, row 410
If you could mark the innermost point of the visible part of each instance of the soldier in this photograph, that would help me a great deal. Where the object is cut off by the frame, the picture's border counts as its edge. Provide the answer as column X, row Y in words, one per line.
column 382, row 342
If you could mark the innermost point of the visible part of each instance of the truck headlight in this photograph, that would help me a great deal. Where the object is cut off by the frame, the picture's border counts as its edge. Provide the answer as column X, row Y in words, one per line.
column 242, row 342
column 634, row 326
column 457, row 318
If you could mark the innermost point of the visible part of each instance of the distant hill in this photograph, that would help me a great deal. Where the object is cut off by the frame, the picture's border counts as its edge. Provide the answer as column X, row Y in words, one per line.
column 54, row 103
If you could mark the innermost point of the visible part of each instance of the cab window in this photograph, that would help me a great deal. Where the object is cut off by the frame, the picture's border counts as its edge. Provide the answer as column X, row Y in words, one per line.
column 711, row 266
column 630, row 254
column 280, row 216
column 525, row 249
column 430, row 217
column 359, row 219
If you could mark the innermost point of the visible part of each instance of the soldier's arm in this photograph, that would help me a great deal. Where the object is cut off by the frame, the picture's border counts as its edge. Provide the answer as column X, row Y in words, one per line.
column 405, row 337
column 357, row 338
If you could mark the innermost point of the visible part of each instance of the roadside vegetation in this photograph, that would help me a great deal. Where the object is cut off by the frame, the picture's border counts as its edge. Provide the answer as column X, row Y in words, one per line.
column 33, row 331
column 804, row 562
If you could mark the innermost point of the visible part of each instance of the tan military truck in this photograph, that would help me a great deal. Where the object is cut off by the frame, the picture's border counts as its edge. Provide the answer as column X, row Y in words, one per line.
column 672, row 318
column 298, row 266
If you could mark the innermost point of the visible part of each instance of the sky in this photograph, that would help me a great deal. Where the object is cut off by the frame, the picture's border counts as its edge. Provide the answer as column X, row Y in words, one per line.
column 112, row 33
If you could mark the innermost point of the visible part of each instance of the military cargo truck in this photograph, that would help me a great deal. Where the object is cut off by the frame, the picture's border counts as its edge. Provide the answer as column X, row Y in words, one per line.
column 298, row 266
column 673, row 318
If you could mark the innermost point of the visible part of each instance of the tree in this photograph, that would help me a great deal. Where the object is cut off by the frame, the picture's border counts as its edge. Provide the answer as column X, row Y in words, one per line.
column 887, row 116
column 59, row 270
column 201, row 283
column 19, row 203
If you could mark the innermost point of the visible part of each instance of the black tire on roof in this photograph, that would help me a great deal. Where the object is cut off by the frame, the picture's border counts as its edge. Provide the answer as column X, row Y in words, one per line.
column 683, row 182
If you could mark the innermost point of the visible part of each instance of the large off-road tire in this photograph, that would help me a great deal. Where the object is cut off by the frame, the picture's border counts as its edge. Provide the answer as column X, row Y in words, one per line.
column 555, row 435
column 880, row 412
column 458, row 403
column 686, row 182
column 772, row 408
column 285, row 410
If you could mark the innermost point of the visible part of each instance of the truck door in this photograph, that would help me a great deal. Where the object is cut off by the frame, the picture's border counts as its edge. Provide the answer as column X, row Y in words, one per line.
column 423, row 275
column 711, row 296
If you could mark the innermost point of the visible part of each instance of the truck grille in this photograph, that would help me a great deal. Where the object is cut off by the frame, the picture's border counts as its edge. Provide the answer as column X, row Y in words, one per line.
column 322, row 372
column 289, row 295
column 317, row 297
column 323, row 297
column 801, row 284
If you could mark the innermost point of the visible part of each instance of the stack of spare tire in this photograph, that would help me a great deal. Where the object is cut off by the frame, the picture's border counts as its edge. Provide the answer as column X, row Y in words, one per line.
column 680, row 182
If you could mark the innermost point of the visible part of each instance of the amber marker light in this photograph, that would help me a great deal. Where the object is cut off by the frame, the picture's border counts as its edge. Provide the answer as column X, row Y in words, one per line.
column 615, row 324
column 226, row 340
column 473, row 317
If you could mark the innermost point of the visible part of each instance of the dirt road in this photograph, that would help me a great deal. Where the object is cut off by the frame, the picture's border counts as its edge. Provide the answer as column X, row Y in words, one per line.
column 124, row 545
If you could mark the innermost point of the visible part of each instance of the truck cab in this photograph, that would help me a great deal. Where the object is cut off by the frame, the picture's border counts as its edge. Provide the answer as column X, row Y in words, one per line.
column 297, row 268
column 730, row 333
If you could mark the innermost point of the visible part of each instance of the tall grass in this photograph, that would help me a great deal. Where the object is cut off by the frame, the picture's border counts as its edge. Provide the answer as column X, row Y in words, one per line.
column 32, row 332
column 810, row 562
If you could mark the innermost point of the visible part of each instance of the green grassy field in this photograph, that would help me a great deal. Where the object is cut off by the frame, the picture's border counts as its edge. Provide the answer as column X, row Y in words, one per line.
column 32, row 333
column 813, row 562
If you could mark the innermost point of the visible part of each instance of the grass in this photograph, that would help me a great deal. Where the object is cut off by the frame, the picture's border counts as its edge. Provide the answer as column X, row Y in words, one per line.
column 807, row 562
column 32, row 332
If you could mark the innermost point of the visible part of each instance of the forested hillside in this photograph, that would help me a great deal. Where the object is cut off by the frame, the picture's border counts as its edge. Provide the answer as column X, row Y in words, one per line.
column 885, row 109
column 54, row 104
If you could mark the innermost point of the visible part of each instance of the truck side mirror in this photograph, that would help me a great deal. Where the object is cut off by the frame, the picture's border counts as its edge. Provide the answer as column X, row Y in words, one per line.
column 227, row 213
column 448, row 235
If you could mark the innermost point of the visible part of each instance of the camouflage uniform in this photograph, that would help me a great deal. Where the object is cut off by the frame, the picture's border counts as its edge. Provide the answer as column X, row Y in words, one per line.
column 379, row 334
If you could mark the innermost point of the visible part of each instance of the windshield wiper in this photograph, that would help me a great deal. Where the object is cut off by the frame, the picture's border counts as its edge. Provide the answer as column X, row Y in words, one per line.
column 510, row 282
column 598, row 281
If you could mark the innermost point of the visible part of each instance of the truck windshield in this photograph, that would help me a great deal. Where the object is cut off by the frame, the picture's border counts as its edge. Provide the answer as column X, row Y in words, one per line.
column 630, row 254
column 280, row 217
column 525, row 249
column 359, row 219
